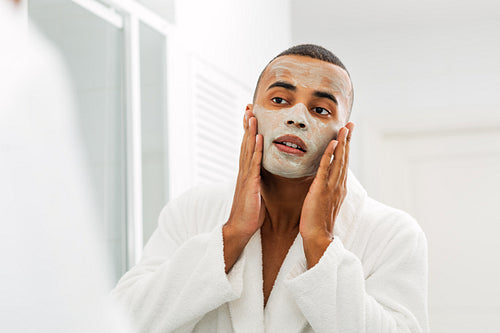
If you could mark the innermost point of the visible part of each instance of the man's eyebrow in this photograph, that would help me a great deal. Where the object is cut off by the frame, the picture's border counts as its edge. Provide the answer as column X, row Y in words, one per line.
column 324, row 94
column 283, row 84
column 289, row 86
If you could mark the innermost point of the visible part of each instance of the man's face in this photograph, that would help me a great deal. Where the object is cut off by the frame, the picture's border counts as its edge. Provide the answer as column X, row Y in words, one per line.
column 300, row 105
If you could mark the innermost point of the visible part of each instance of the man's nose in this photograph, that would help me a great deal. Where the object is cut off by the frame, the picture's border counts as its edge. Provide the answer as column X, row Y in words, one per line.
column 298, row 124
column 297, row 118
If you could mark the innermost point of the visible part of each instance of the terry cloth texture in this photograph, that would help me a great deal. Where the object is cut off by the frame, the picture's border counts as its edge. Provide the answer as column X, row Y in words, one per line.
column 372, row 278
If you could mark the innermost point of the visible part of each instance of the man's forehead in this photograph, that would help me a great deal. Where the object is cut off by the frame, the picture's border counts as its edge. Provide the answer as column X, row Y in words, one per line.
column 307, row 72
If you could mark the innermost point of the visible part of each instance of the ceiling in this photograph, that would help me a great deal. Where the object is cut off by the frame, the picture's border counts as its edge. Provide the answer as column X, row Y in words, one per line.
column 322, row 17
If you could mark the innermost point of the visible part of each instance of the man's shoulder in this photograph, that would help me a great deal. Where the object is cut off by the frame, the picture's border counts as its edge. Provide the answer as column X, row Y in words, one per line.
column 387, row 235
column 378, row 217
column 200, row 208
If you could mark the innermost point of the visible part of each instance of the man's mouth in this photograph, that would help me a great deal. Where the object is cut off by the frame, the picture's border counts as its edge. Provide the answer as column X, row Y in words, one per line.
column 290, row 144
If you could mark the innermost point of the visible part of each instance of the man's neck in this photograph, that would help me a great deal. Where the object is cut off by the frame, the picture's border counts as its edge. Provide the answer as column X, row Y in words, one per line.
column 283, row 198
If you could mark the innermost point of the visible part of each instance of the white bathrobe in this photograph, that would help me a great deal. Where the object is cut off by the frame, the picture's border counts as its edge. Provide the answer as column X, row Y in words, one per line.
column 372, row 277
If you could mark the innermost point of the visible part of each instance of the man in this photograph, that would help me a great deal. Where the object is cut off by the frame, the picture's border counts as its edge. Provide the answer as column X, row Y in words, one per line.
column 296, row 245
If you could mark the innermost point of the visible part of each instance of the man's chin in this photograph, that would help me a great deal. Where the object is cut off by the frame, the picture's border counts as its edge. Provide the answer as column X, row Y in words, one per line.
column 287, row 174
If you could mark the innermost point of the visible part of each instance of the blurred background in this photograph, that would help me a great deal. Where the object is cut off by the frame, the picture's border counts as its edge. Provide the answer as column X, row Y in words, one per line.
column 161, row 87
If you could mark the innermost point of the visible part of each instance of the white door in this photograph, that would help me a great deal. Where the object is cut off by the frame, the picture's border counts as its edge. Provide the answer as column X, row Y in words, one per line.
column 445, row 171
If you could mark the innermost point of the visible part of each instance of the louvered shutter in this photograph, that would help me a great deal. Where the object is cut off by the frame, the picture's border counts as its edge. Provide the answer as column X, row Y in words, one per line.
column 219, row 106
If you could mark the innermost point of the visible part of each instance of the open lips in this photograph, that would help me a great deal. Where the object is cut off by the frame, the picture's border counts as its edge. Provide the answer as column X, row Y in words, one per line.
column 290, row 143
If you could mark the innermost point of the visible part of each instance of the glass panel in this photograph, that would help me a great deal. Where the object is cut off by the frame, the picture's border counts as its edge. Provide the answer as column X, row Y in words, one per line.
column 154, row 155
column 93, row 51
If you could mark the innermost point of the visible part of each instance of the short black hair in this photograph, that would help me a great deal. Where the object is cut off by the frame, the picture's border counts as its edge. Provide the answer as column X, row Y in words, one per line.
column 315, row 52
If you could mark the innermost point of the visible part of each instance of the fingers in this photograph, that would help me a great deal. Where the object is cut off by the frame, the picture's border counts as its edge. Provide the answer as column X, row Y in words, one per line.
column 243, row 145
column 244, row 142
column 343, row 177
column 256, row 157
column 350, row 126
column 250, row 145
column 339, row 158
column 248, row 148
column 324, row 164
column 248, row 114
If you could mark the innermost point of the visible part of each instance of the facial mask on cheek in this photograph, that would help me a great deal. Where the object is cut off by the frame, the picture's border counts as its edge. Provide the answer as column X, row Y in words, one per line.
column 315, row 134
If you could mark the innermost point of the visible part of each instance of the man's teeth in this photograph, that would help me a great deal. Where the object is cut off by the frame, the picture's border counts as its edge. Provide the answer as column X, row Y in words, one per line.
column 289, row 144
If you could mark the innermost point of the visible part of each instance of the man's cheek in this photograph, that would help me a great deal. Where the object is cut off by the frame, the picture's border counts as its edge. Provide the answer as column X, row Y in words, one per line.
column 329, row 135
column 335, row 134
column 261, row 127
column 261, row 122
column 318, row 139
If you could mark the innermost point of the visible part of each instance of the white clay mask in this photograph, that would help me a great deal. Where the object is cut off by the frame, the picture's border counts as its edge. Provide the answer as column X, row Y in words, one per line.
column 312, row 75
column 294, row 140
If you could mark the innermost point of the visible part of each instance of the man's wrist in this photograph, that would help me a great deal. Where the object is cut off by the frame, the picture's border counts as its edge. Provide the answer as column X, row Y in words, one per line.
column 234, row 243
column 320, row 235
column 315, row 247
column 235, row 234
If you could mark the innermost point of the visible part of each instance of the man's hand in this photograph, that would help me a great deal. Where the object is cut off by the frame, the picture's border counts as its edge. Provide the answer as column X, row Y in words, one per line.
column 248, row 210
column 324, row 199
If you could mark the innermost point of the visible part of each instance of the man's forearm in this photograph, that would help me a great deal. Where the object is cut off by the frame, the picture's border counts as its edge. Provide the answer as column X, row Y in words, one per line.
column 234, row 243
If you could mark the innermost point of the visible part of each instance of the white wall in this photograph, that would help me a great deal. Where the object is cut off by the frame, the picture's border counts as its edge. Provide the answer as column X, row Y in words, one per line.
column 409, row 57
column 236, row 39
column 447, row 176
column 239, row 36
column 404, row 58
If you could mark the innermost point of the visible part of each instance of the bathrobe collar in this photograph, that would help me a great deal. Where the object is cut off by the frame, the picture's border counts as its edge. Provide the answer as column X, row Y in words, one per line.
column 281, row 313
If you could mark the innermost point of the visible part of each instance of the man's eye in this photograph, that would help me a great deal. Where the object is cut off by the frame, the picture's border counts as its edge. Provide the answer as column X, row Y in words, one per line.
column 278, row 100
column 321, row 110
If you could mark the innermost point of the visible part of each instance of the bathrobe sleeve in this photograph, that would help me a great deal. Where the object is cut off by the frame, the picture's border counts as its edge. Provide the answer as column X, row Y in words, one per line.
column 181, row 276
column 337, row 296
